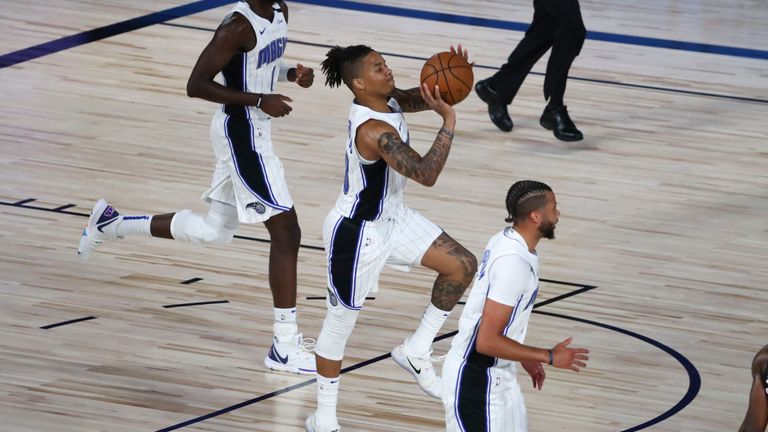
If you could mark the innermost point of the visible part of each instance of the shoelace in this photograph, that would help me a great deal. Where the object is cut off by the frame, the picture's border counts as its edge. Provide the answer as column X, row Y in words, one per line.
column 438, row 359
column 307, row 344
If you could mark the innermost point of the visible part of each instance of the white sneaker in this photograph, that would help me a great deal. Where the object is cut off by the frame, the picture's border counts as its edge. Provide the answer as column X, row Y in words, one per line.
column 311, row 426
column 295, row 355
column 421, row 368
column 102, row 226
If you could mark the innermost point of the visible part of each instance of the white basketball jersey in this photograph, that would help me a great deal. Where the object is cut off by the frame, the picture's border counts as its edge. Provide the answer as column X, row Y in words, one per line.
column 372, row 189
column 257, row 70
column 507, row 263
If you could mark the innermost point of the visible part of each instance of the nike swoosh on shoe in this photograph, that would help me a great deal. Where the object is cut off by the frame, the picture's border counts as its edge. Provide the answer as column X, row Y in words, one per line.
column 418, row 371
column 277, row 357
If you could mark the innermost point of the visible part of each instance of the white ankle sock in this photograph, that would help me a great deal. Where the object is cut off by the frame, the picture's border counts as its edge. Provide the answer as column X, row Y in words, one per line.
column 285, row 323
column 420, row 343
column 134, row 225
column 327, row 398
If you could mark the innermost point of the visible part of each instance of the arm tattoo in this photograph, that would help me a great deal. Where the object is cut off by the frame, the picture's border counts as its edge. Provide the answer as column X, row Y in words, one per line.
column 410, row 100
column 407, row 162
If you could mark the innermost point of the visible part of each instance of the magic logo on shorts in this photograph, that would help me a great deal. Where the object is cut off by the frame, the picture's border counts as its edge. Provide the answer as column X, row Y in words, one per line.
column 257, row 207
column 332, row 298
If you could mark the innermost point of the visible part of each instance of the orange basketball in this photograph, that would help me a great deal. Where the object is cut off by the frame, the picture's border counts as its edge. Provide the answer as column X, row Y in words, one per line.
column 452, row 73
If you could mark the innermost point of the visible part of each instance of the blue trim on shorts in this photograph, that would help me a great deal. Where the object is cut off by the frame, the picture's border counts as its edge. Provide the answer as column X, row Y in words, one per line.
column 343, row 258
column 473, row 398
column 239, row 133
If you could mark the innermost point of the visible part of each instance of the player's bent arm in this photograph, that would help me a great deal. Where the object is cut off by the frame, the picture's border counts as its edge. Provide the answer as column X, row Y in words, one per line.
column 410, row 100
column 231, row 38
column 376, row 139
column 756, row 418
column 492, row 342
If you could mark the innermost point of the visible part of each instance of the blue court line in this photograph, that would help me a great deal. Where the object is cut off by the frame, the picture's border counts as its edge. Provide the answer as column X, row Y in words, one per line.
column 694, row 379
column 310, row 381
column 519, row 26
column 67, row 42
column 570, row 77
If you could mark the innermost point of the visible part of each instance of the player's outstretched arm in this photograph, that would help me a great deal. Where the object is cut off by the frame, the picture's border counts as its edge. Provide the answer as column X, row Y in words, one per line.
column 756, row 418
column 376, row 139
column 492, row 342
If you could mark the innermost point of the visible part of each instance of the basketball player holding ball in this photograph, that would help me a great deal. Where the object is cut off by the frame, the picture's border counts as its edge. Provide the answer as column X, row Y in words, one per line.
column 371, row 226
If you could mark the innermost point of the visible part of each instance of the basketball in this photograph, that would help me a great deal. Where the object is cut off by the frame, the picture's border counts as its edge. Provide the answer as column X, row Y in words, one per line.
column 452, row 73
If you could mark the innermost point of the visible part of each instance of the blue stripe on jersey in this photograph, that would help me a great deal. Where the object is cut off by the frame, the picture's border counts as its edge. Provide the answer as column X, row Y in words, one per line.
column 473, row 356
column 514, row 314
column 369, row 201
column 473, row 398
column 343, row 256
column 346, row 174
column 248, row 162
column 235, row 78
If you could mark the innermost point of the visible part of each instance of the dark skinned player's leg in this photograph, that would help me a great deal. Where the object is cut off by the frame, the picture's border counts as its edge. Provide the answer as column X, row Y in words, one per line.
column 161, row 225
column 285, row 236
column 287, row 353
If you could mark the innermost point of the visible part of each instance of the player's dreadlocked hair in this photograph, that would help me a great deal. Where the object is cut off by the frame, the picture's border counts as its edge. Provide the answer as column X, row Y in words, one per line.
column 524, row 197
column 342, row 64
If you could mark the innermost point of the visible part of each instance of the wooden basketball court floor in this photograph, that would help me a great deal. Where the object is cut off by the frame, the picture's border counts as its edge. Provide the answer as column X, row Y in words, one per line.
column 659, row 266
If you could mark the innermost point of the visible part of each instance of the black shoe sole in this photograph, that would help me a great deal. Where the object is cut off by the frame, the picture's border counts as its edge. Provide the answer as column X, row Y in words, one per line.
column 569, row 139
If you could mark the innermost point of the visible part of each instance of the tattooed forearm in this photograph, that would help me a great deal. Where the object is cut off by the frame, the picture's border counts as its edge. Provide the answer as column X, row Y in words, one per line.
column 410, row 100
column 407, row 162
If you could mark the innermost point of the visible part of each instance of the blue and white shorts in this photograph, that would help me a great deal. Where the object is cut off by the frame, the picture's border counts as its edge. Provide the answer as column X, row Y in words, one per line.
column 248, row 174
column 480, row 399
column 358, row 250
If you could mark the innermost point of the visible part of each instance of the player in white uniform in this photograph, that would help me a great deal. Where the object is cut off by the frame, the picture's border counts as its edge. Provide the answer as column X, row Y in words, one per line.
column 480, row 390
column 248, row 185
column 371, row 226
column 756, row 419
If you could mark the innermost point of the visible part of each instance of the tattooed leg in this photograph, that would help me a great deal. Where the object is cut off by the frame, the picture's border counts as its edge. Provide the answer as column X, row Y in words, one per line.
column 456, row 267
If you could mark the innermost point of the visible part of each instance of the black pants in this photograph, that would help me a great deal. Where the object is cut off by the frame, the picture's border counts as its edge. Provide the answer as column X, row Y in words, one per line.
column 557, row 24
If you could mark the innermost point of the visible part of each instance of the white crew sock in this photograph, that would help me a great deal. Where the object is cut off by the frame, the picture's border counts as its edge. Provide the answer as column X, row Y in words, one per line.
column 134, row 225
column 285, row 326
column 420, row 343
column 327, row 398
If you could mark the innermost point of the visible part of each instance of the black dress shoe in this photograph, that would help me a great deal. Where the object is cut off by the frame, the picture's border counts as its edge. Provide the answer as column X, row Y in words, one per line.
column 497, row 109
column 558, row 121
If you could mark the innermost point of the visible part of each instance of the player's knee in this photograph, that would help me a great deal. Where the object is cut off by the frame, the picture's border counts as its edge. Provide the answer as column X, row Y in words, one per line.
column 220, row 224
column 471, row 261
column 215, row 229
column 468, row 264
column 288, row 237
column 336, row 330
column 218, row 237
